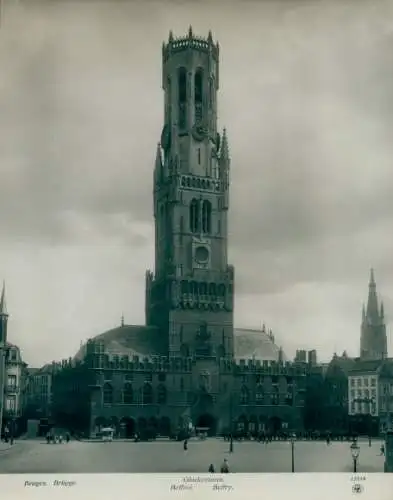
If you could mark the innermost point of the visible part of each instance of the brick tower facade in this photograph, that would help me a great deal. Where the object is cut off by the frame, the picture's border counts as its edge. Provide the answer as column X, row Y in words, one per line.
column 190, row 296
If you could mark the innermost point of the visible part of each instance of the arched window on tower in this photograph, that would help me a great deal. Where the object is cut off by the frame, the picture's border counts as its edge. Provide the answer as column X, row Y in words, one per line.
column 211, row 92
column 198, row 95
column 182, row 84
column 169, row 101
column 206, row 217
column 194, row 216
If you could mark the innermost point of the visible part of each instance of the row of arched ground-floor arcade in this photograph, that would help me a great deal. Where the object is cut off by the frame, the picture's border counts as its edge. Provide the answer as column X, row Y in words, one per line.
column 127, row 427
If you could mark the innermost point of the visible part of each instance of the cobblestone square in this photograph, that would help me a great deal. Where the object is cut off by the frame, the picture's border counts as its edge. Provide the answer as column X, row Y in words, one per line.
column 169, row 457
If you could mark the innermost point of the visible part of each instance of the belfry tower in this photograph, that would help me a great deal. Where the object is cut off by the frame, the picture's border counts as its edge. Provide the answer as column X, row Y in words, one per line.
column 190, row 296
column 373, row 342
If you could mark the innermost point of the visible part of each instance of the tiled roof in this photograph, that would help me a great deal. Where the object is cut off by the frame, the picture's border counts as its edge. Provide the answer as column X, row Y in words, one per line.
column 148, row 341
column 366, row 366
column 255, row 343
column 132, row 340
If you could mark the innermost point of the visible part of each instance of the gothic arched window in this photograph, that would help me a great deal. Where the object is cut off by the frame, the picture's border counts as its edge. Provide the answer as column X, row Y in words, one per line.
column 182, row 84
column 194, row 288
column 194, row 216
column 147, row 394
column 206, row 216
column 108, row 394
column 161, row 394
column 259, row 394
column 244, row 395
column 128, row 394
column 203, row 288
column 211, row 92
column 212, row 289
column 198, row 95
column 169, row 100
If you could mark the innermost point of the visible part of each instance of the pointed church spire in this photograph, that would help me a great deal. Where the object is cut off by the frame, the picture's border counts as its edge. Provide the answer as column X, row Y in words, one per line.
column 190, row 32
column 372, row 301
column 3, row 305
column 382, row 311
column 122, row 319
column 224, row 146
column 210, row 37
column 170, row 36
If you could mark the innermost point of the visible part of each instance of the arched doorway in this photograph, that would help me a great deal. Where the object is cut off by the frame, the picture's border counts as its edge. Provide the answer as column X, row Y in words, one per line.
column 115, row 424
column 142, row 424
column 164, row 428
column 275, row 425
column 99, row 423
column 128, row 427
column 253, row 425
column 207, row 421
column 153, row 424
column 242, row 425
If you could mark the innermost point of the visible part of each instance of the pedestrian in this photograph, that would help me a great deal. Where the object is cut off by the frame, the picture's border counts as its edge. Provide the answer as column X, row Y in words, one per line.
column 211, row 468
column 382, row 449
column 225, row 467
column 185, row 445
column 68, row 437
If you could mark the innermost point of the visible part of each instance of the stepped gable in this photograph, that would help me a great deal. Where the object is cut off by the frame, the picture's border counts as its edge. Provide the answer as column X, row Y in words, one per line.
column 255, row 344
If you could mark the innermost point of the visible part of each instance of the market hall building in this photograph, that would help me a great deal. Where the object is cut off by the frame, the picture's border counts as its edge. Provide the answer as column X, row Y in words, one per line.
column 188, row 365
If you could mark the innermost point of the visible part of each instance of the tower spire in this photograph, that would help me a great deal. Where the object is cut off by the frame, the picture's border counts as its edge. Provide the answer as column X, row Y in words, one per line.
column 224, row 146
column 3, row 305
column 382, row 311
column 372, row 301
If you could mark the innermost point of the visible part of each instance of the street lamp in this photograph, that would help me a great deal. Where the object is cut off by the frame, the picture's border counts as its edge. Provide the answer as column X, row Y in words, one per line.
column 293, row 438
column 355, row 451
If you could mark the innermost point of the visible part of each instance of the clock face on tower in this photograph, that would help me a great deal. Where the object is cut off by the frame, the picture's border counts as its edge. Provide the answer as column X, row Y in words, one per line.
column 201, row 254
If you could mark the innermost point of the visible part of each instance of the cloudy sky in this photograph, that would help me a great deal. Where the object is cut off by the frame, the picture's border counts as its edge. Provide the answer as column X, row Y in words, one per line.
column 306, row 96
